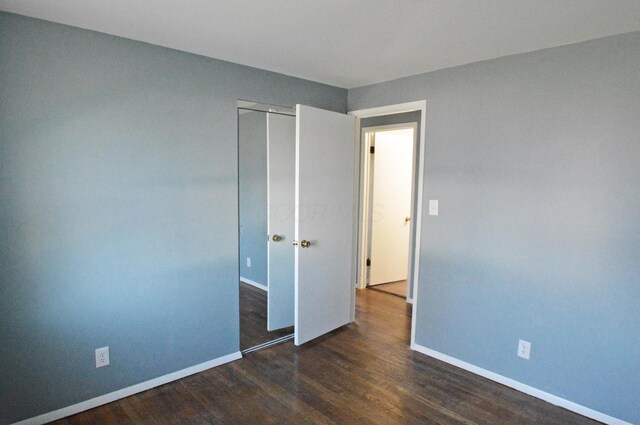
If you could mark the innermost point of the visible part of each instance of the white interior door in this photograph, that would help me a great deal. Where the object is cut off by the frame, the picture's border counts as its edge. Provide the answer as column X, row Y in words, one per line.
column 281, row 135
column 390, row 226
column 324, row 199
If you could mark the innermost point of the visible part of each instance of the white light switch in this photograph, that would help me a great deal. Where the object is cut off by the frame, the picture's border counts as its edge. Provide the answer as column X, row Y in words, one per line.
column 433, row 207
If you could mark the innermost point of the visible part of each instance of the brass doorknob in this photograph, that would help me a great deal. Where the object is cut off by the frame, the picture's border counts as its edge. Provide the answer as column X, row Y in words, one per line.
column 305, row 244
column 407, row 219
column 276, row 238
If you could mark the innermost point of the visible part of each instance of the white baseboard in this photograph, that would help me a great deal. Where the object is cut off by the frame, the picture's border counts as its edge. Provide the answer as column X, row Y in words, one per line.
column 410, row 300
column 569, row 405
column 126, row 392
column 254, row 283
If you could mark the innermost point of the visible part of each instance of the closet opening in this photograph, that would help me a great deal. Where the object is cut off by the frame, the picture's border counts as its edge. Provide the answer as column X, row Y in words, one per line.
column 266, row 146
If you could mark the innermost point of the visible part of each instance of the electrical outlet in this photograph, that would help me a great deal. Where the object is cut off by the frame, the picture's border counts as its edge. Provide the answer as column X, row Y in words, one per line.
column 102, row 357
column 248, row 261
column 524, row 349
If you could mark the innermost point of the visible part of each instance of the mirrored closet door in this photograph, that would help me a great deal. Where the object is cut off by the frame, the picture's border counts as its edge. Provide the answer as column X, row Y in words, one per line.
column 266, row 161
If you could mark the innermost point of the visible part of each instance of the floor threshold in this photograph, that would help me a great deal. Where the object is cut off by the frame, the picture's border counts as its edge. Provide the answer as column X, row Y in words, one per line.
column 267, row 344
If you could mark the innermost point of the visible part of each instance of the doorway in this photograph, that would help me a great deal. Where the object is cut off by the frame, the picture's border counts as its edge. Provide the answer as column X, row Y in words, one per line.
column 390, row 186
column 403, row 113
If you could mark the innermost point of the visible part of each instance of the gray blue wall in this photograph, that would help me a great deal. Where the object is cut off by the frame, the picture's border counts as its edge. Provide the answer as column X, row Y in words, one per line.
column 252, row 140
column 535, row 161
column 118, row 209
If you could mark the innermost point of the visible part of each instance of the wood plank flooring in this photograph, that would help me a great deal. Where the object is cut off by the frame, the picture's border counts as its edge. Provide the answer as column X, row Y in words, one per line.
column 253, row 318
column 363, row 373
column 398, row 288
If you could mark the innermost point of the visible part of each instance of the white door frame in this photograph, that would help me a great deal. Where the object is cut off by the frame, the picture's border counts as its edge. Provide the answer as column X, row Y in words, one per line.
column 421, row 106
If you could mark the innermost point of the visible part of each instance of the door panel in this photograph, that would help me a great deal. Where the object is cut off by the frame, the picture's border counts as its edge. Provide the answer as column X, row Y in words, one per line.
column 392, row 179
column 281, row 130
column 324, row 199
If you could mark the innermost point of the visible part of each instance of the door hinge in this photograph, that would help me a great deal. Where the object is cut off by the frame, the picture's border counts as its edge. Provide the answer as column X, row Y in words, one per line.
column 372, row 149
column 368, row 262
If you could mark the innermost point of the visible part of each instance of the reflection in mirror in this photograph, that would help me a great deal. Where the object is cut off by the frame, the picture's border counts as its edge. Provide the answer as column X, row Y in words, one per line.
column 281, row 220
column 263, row 135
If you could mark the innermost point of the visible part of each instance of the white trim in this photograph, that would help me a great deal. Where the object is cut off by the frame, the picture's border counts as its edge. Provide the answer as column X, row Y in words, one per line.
column 416, row 267
column 254, row 283
column 390, row 109
column 420, row 105
column 366, row 140
column 128, row 391
column 356, row 218
column 409, row 300
column 558, row 401
column 296, row 230
column 296, row 227
column 257, row 285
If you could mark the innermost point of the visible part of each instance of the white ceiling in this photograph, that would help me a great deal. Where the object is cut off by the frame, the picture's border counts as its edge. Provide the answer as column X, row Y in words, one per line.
column 346, row 43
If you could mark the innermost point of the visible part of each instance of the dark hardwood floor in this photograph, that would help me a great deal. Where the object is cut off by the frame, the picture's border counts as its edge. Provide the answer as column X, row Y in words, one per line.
column 253, row 318
column 363, row 373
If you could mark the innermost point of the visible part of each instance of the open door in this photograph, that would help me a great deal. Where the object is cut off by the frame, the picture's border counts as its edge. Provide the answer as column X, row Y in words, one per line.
column 392, row 191
column 281, row 133
column 324, row 220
